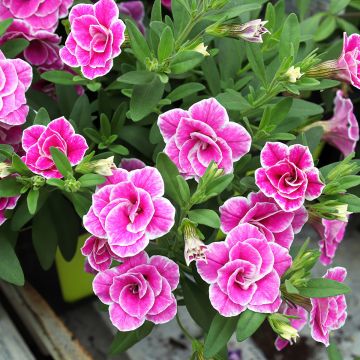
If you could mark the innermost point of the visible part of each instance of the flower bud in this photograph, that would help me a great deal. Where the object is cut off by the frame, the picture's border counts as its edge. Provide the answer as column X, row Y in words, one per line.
column 38, row 182
column 102, row 167
column 293, row 74
column 281, row 325
column 201, row 49
column 194, row 249
column 251, row 31
column 72, row 185
column 4, row 170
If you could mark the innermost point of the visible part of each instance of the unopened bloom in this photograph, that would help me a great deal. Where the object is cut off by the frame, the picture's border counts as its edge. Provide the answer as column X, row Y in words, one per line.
column 264, row 213
column 131, row 211
column 131, row 164
column 288, row 175
column 345, row 68
column 297, row 324
column 98, row 253
column 331, row 234
column 201, row 49
column 251, row 31
column 38, row 139
column 284, row 329
column 7, row 203
column 293, row 74
column 15, row 80
column 194, row 249
column 139, row 289
column 342, row 130
column 4, row 169
column 104, row 166
column 11, row 135
column 200, row 135
column 166, row 3
column 135, row 10
column 95, row 38
column 329, row 313
column 244, row 272
column 38, row 14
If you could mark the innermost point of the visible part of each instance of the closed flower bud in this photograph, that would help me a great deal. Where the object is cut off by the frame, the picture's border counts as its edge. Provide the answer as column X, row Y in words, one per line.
column 281, row 325
column 72, row 185
column 194, row 249
column 251, row 31
column 4, row 170
column 104, row 166
column 293, row 74
column 201, row 49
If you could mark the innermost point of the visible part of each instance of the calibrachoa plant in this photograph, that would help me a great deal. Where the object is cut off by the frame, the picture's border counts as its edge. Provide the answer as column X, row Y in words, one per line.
column 185, row 138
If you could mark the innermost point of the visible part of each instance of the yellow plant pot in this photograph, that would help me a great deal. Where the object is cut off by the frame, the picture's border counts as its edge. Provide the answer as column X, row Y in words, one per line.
column 75, row 283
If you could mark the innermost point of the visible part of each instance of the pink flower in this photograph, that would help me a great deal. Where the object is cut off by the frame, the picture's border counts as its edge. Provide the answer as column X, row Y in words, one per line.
column 139, row 289
column 8, row 203
column 39, row 14
column 38, row 139
column 95, row 38
column 264, row 213
column 244, row 272
column 15, row 79
column 347, row 64
column 328, row 314
column 288, row 175
column 11, row 135
column 342, row 130
column 166, row 3
column 130, row 211
column 135, row 10
column 200, row 135
column 297, row 324
column 331, row 233
column 131, row 164
column 98, row 253
column 43, row 48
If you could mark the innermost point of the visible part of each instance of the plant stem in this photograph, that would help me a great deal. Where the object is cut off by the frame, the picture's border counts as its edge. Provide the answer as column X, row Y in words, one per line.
column 181, row 326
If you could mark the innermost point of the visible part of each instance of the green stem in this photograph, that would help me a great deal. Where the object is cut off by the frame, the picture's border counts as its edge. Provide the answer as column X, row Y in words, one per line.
column 185, row 33
column 181, row 326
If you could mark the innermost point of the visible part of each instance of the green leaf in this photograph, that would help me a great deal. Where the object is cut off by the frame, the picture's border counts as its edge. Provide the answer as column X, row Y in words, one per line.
column 89, row 180
column 248, row 323
column 184, row 189
column 32, row 199
column 197, row 303
column 219, row 185
column 169, row 173
column 42, row 117
column 44, row 237
column 145, row 98
column 10, row 187
column 139, row 77
column 80, row 113
column 219, row 334
column 138, row 43
column 290, row 37
column 337, row 5
column 4, row 25
column 206, row 217
column 61, row 161
column 10, row 268
column 14, row 47
column 6, row 151
column 156, row 11
column 58, row 77
column 185, row 61
column 81, row 202
column 119, row 149
column 105, row 126
column 166, row 44
column 67, row 227
column 56, row 182
column 125, row 340
column 18, row 165
column 353, row 202
column 233, row 11
column 322, row 288
column 185, row 90
column 326, row 28
column 290, row 288
column 256, row 61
